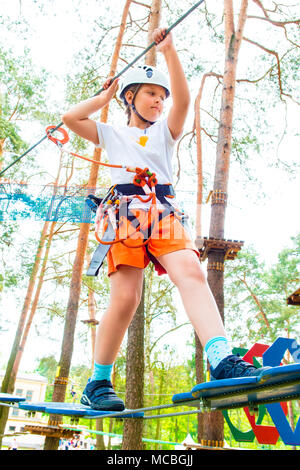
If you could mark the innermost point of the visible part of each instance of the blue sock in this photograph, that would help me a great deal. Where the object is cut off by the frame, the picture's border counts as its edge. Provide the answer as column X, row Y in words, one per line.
column 102, row 371
column 217, row 348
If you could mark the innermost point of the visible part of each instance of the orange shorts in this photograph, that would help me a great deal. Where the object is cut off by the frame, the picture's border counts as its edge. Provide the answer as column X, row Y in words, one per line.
column 167, row 235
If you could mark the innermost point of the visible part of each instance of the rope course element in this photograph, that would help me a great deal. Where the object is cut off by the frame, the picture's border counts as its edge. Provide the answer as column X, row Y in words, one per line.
column 229, row 248
column 215, row 266
column 61, row 203
column 217, row 197
column 45, row 202
column 55, row 128
column 275, row 385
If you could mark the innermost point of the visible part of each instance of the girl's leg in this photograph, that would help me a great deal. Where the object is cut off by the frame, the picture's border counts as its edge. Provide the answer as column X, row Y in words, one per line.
column 185, row 272
column 125, row 294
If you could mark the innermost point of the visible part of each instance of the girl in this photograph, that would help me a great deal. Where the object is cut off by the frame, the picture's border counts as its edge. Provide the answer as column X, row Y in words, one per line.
column 147, row 142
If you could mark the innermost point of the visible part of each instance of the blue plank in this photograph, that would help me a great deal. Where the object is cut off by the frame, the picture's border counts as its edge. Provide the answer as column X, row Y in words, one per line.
column 270, row 395
column 36, row 406
column 276, row 384
column 8, row 398
column 279, row 374
column 224, row 386
column 71, row 409
column 186, row 398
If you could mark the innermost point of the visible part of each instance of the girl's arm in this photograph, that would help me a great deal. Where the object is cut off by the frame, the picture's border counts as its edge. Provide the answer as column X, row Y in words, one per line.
column 77, row 118
column 179, row 86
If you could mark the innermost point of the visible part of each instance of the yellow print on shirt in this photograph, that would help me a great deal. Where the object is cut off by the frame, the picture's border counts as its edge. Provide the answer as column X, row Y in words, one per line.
column 143, row 140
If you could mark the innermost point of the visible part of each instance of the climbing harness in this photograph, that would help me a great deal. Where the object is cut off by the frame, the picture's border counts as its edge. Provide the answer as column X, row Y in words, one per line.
column 54, row 128
column 113, row 211
column 114, row 207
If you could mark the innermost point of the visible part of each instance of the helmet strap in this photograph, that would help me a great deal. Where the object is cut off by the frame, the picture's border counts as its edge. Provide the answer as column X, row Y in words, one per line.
column 132, row 106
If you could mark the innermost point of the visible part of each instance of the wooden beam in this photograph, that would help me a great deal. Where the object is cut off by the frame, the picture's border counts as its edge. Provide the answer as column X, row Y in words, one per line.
column 294, row 299
column 229, row 247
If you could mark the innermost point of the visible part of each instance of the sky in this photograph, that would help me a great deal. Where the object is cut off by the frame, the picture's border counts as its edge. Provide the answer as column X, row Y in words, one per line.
column 266, row 224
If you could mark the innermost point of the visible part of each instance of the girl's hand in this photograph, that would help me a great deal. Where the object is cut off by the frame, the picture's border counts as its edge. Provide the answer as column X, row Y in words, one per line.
column 110, row 88
column 163, row 41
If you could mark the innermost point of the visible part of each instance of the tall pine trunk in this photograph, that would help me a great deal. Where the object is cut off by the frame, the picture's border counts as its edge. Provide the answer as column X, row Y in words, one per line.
column 9, row 379
column 35, row 299
column 198, row 347
column 22, row 331
column 60, row 384
column 214, row 423
column 92, row 308
column 133, row 428
column 92, row 317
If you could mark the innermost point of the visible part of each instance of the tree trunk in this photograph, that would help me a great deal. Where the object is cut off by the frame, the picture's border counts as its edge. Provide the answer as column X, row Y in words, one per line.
column 154, row 21
column 60, row 384
column 35, row 300
column 200, row 378
column 99, row 437
column 214, row 423
column 158, row 421
column 2, row 141
column 197, row 129
column 198, row 346
column 92, row 317
column 133, row 428
column 8, row 383
column 9, row 380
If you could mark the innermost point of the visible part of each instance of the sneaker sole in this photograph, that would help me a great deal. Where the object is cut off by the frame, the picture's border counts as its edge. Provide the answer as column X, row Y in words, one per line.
column 113, row 406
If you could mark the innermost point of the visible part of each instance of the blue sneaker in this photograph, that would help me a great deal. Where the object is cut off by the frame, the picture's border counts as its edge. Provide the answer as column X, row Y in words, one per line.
column 100, row 395
column 234, row 367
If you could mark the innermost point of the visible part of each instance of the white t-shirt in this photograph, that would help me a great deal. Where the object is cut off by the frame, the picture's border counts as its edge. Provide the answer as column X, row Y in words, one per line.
column 144, row 148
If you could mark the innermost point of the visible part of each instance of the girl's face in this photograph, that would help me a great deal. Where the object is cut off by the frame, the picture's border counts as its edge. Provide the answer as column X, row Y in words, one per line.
column 149, row 101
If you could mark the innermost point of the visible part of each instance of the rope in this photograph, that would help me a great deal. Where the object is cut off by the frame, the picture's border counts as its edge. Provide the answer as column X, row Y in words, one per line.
column 54, row 128
column 14, row 434
column 152, row 408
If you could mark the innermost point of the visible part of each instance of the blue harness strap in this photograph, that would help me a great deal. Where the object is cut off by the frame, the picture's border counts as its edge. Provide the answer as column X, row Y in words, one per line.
column 161, row 190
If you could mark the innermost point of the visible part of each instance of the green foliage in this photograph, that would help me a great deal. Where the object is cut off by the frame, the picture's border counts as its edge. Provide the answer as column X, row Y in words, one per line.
column 9, row 130
column 22, row 96
column 256, row 296
column 9, row 277
column 164, row 380
column 285, row 274
column 47, row 367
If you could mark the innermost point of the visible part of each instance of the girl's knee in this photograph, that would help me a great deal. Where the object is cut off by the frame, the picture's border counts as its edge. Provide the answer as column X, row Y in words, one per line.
column 128, row 299
column 189, row 270
column 126, row 289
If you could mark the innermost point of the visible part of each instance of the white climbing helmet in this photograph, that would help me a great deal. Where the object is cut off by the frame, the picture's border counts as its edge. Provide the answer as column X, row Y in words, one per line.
column 144, row 74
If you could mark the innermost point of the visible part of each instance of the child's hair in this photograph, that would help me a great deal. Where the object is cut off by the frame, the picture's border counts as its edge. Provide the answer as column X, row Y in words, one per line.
column 134, row 89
